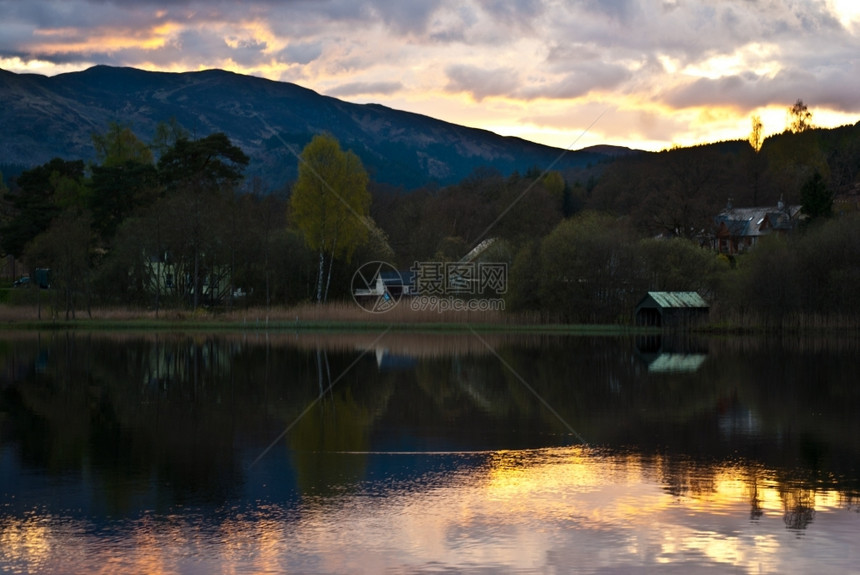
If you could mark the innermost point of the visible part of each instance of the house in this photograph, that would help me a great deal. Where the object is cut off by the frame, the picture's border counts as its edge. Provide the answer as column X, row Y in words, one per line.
column 398, row 283
column 671, row 309
column 738, row 229
column 394, row 283
column 167, row 277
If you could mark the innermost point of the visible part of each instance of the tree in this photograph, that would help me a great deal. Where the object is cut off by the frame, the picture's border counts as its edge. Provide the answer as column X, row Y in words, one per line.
column 587, row 269
column 816, row 199
column 756, row 139
column 330, row 204
column 166, row 136
column 799, row 117
column 680, row 191
column 539, row 208
column 792, row 159
column 677, row 265
column 4, row 217
column 64, row 248
column 42, row 194
column 119, row 145
column 118, row 191
column 211, row 164
column 524, row 292
column 197, row 175
column 766, row 282
column 829, row 255
column 124, row 180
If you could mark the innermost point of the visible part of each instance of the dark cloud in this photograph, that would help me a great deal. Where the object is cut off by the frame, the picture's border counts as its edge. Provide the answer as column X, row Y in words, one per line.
column 831, row 88
column 773, row 51
column 83, row 16
column 624, row 11
column 582, row 79
column 480, row 82
column 518, row 13
column 411, row 18
column 300, row 53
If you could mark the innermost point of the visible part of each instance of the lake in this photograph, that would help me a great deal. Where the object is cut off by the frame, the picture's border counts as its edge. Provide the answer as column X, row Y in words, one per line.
column 400, row 452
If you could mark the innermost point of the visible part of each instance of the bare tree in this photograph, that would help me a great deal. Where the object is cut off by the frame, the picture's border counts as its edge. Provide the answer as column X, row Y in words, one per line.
column 756, row 138
column 799, row 117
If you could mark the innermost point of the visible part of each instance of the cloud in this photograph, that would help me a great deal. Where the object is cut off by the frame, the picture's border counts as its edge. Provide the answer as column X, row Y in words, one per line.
column 623, row 11
column 300, row 53
column 746, row 92
column 480, row 82
column 647, row 56
column 516, row 13
column 404, row 17
column 586, row 78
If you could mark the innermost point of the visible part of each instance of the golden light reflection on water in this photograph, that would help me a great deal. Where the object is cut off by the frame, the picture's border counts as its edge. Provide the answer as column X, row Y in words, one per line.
column 26, row 542
column 531, row 511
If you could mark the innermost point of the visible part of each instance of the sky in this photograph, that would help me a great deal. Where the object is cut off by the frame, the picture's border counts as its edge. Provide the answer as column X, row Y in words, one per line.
column 648, row 74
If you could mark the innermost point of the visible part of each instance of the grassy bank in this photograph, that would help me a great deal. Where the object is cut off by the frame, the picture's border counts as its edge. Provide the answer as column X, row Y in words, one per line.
column 731, row 321
column 332, row 316
column 346, row 316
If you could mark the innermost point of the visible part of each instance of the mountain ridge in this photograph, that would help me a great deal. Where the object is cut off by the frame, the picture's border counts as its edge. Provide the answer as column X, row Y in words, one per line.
column 54, row 116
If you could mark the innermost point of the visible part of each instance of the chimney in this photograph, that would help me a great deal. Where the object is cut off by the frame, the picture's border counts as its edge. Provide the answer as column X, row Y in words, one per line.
column 780, row 205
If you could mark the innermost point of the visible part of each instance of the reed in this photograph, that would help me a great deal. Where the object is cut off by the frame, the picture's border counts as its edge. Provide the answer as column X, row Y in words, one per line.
column 334, row 315
column 789, row 322
column 347, row 315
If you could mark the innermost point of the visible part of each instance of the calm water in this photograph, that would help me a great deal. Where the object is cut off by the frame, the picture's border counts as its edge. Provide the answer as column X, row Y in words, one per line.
column 409, row 453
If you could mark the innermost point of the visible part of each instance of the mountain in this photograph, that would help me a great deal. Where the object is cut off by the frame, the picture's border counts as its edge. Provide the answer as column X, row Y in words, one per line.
column 610, row 151
column 45, row 117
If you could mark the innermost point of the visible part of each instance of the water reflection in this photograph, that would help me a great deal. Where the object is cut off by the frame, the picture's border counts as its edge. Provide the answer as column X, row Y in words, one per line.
column 673, row 352
column 412, row 452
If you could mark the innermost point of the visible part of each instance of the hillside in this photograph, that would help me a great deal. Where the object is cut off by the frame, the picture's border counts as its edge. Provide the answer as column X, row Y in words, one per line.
column 45, row 117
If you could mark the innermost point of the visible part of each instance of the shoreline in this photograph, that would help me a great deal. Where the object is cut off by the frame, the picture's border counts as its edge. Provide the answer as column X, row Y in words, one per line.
column 336, row 316
column 345, row 317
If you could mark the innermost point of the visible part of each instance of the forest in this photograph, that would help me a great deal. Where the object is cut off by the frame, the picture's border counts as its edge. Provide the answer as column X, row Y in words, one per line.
column 174, row 224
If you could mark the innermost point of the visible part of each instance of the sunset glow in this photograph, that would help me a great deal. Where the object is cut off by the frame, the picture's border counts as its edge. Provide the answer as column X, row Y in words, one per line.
column 656, row 73
column 587, row 498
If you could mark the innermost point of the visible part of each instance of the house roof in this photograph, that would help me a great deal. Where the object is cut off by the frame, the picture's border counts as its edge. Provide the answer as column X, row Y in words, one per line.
column 397, row 278
column 744, row 222
column 675, row 299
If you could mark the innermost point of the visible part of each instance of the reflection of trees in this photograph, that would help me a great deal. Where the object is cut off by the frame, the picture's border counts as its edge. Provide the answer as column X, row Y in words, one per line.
column 179, row 407
column 330, row 442
column 799, row 506
column 167, row 407
column 752, row 482
column 460, row 385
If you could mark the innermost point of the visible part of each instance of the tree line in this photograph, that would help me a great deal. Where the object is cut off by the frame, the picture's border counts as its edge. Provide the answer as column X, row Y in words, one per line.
column 581, row 246
column 166, row 224
column 586, row 246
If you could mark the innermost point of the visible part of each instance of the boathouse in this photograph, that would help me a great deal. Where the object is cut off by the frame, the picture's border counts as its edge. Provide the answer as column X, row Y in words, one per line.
column 672, row 309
